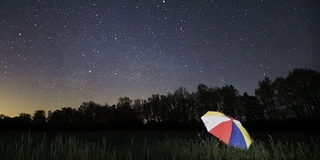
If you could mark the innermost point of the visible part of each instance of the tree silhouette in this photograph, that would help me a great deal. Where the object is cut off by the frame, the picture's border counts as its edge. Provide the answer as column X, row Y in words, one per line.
column 23, row 121
column 286, row 100
column 299, row 92
column 126, row 115
column 182, row 105
column 139, row 105
column 204, row 100
column 266, row 95
column 229, row 100
column 249, row 108
column 63, row 119
column 155, row 105
column 39, row 119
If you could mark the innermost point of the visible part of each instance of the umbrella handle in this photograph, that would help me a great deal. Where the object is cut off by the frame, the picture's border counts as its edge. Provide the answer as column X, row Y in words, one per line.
column 218, row 143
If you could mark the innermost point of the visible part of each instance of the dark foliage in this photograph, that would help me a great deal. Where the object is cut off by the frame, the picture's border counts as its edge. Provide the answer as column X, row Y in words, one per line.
column 285, row 103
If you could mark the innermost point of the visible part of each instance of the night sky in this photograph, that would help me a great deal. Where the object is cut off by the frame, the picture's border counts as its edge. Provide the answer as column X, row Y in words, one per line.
column 61, row 53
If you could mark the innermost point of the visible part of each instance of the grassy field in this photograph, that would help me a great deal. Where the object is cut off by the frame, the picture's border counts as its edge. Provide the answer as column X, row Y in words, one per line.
column 149, row 146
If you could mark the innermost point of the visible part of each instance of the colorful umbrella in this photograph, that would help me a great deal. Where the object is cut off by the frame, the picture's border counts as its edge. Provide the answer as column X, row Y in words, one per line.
column 227, row 129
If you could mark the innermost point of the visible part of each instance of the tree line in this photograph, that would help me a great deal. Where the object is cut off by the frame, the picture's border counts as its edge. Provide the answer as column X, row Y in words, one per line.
column 282, row 103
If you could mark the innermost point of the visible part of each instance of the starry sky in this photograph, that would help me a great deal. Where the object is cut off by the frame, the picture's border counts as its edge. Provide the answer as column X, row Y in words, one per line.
column 61, row 53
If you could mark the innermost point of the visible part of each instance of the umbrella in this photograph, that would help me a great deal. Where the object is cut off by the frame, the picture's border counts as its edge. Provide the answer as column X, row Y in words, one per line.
column 227, row 129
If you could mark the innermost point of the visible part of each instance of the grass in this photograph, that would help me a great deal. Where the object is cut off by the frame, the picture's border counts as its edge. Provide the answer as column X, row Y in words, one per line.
column 136, row 148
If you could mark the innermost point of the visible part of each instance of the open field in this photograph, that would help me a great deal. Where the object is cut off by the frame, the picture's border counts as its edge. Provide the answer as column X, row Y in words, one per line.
column 152, row 145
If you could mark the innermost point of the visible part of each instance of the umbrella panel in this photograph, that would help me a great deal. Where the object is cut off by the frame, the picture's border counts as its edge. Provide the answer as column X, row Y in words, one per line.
column 223, row 131
column 237, row 138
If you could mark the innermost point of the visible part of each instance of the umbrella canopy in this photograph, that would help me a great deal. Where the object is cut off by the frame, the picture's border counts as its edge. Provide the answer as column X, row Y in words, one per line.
column 227, row 129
